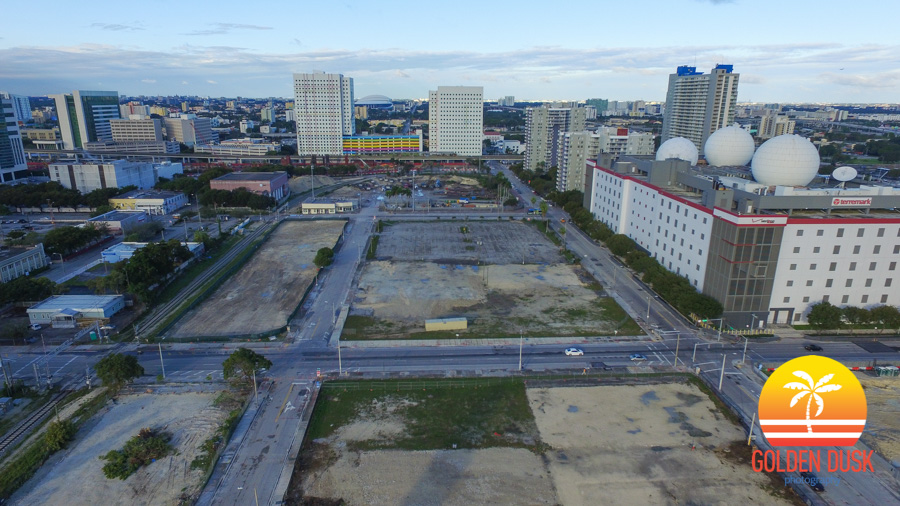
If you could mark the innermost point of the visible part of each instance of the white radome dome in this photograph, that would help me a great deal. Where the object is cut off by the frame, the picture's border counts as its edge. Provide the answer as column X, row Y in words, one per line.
column 786, row 160
column 678, row 147
column 729, row 146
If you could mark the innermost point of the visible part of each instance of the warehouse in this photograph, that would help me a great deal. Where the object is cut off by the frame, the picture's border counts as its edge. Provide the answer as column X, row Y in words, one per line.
column 67, row 311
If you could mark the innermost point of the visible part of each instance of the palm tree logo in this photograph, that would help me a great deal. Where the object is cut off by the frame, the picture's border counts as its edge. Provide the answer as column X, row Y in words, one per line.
column 813, row 389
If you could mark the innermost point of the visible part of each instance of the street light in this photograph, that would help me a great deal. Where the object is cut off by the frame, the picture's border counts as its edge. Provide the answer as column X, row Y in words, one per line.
column 753, row 322
column 62, row 261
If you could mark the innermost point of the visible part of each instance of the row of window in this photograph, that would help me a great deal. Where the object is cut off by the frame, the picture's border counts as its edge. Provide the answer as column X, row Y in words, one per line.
column 836, row 249
column 847, row 284
column 845, row 299
column 860, row 232
column 852, row 267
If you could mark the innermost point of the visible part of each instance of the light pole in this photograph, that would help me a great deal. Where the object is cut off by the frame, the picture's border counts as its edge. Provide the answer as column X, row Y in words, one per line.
column 648, row 308
column 62, row 261
column 722, row 375
column 340, row 366
column 746, row 341
column 677, row 344
column 161, row 363
column 521, row 339
column 694, row 355
column 753, row 321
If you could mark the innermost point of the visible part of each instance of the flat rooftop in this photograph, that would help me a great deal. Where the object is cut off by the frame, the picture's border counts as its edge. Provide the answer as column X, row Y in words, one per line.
column 6, row 253
column 251, row 176
column 116, row 215
column 76, row 301
column 148, row 194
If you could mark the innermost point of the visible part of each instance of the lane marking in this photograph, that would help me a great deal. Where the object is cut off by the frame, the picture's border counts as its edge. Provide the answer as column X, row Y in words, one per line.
column 283, row 403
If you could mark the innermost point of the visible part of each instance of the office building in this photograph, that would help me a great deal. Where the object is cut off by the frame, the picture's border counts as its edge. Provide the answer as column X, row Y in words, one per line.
column 507, row 101
column 698, row 104
column 773, row 125
column 767, row 243
column 12, row 154
column 456, row 120
column 84, row 116
column 120, row 222
column 323, row 111
column 136, row 128
column 65, row 311
column 239, row 147
column 544, row 128
column 22, row 107
column 576, row 148
column 190, row 130
column 134, row 147
column 269, row 184
column 88, row 176
column 16, row 262
column 126, row 110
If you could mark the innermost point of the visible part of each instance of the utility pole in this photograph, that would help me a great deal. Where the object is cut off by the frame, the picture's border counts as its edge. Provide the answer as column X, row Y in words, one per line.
column 312, row 179
column 694, row 355
column 161, row 363
column 37, row 377
column 255, row 390
column 677, row 344
column 648, row 308
column 6, row 373
column 340, row 365
column 750, row 436
column 746, row 341
column 521, row 339
column 333, row 315
column 87, row 375
column 722, row 375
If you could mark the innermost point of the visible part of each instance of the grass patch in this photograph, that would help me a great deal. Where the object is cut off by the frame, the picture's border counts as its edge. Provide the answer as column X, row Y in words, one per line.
column 468, row 413
column 373, row 247
column 741, row 454
column 612, row 311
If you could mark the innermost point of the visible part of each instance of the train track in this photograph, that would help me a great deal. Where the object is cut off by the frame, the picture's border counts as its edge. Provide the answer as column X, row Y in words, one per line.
column 27, row 424
column 161, row 313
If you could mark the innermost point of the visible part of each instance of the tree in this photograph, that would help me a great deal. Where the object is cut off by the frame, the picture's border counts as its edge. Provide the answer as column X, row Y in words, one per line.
column 824, row 316
column 242, row 364
column 117, row 369
column 856, row 315
column 26, row 289
column 58, row 434
column 888, row 316
column 324, row 257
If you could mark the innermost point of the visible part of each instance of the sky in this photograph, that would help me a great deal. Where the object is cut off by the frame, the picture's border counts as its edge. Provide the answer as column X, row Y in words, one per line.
column 784, row 50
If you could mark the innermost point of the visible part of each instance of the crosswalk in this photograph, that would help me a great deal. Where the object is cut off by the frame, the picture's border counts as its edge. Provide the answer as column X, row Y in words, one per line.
column 191, row 375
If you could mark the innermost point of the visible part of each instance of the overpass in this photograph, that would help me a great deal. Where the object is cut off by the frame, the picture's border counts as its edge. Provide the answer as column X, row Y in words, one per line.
column 40, row 154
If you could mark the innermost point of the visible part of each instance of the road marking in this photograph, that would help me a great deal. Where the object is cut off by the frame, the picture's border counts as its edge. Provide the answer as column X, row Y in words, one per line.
column 283, row 403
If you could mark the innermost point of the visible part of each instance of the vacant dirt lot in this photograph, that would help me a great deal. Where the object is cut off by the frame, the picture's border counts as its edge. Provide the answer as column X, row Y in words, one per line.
column 305, row 183
column 467, row 242
column 74, row 476
column 395, row 298
column 882, row 426
column 640, row 451
column 262, row 295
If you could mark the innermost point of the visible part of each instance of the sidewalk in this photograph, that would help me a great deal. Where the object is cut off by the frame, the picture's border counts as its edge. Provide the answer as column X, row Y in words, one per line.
column 508, row 341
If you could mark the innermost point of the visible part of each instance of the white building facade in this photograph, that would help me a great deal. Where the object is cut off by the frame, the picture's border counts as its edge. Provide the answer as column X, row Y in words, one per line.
column 698, row 104
column 84, row 116
column 456, row 120
column 87, row 177
column 323, row 111
column 12, row 155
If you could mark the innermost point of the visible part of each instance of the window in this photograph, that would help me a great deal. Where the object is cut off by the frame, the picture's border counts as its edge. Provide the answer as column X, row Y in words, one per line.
column 797, row 249
column 884, row 299
column 836, row 250
column 805, row 299
column 868, row 282
column 787, row 299
column 888, row 281
column 790, row 282
column 812, row 267
column 820, row 232
column 897, row 249
column 800, row 233
column 828, row 283
column 876, row 249
column 860, row 232
column 880, row 232
column 817, row 249
column 797, row 317
column 872, row 265
column 832, row 266
column 840, row 232
column 856, row 250
column 892, row 266
column 864, row 299
column 845, row 299
column 825, row 298
column 809, row 282
column 793, row 267
column 849, row 283
column 852, row 266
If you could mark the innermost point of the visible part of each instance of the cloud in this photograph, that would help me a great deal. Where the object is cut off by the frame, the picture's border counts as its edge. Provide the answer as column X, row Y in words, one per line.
column 149, row 81
column 880, row 80
column 115, row 27
column 400, row 73
column 298, row 42
column 718, row 2
column 210, row 81
column 222, row 28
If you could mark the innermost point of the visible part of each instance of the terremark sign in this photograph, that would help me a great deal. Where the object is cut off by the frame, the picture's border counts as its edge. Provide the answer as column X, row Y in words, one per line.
column 807, row 404
column 845, row 202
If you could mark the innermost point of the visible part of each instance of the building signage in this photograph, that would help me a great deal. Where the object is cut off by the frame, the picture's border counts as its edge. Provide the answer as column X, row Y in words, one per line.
column 752, row 220
column 844, row 202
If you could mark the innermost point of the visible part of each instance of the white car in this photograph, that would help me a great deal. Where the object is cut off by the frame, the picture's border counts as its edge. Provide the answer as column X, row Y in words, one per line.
column 637, row 357
column 574, row 352
column 35, row 326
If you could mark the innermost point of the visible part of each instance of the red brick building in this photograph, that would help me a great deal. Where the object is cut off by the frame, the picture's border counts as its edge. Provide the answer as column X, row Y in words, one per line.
column 270, row 184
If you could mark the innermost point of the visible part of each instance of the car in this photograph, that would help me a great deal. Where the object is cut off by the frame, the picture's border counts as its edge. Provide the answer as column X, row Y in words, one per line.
column 812, row 347
column 637, row 357
column 813, row 481
column 562, row 220
column 574, row 352
column 35, row 326
column 108, row 327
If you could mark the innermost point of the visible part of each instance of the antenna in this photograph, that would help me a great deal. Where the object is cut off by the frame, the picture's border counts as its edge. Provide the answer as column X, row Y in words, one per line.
column 844, row 174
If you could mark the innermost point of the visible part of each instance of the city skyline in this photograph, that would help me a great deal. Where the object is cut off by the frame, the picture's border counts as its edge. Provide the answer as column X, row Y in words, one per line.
column 620, row 52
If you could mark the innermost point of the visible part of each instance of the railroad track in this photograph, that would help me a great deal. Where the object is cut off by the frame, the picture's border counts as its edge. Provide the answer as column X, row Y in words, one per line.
column 32, row 420
column 161, row 313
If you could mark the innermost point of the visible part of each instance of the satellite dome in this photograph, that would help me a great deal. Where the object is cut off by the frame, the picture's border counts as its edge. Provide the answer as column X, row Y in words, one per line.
column 678, row 147
column 786, row 160
column 729, row 146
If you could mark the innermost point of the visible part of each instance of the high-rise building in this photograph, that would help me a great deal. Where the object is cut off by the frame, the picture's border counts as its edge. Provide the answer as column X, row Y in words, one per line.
column 698, row 104
column 323, row 110
column 456, row 120
column 84, row 116
column 89, row 176
column 22, row 107
column 507, row 101
column 12, row 155
column 136, row 130
column 544, row 127
column 773, row 125
column 576, row 148
column 190, row 130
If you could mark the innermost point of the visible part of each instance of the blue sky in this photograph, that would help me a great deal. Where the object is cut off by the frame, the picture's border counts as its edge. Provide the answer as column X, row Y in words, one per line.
column 785, row 50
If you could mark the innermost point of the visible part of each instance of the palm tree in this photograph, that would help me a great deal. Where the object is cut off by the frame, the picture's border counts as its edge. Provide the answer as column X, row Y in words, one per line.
column 814, row 389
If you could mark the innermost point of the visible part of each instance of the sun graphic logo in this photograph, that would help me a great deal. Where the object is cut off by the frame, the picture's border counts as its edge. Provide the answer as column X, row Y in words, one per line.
column 826, row 407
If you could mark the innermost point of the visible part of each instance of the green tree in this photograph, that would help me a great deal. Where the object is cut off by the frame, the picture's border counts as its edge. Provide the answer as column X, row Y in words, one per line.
column 324, row 257
column 58, row 435
column 888, row 316
column 26, row 289
column 118, row 369
column 148, row 446
column 824, row 316
column 856, row 315
column 240, row 366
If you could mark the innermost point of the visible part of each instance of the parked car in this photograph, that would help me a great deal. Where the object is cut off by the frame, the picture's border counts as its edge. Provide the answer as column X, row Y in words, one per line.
column 637, row 357
column 34, row 326
column 574, row 352
column 812, row 347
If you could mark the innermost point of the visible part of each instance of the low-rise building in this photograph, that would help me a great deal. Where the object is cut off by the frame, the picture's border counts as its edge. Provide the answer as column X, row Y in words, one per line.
column 89, row 176
column 120, row 221
column 152, row 201
column 269, row 184
column 238, row 148
column 68, row 311
column 125, row 250
column 346, row 206
column 16, row 262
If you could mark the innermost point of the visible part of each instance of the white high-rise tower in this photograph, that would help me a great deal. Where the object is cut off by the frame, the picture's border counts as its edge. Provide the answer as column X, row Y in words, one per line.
column 456, row 120
column 323, row 110
column 698, row 104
